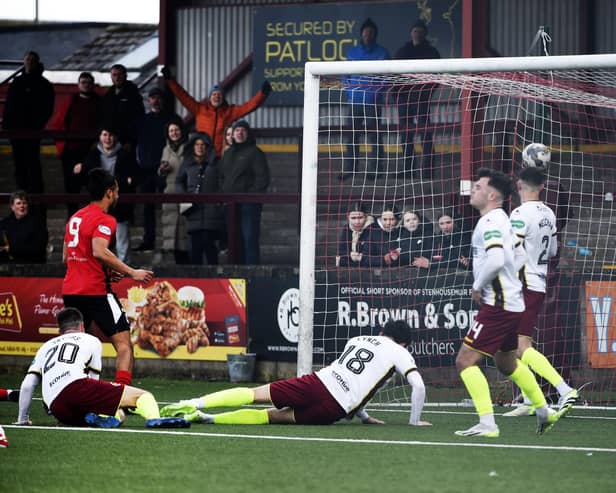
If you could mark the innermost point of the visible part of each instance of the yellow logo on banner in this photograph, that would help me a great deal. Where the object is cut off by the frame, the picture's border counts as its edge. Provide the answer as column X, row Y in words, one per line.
column 9, row 313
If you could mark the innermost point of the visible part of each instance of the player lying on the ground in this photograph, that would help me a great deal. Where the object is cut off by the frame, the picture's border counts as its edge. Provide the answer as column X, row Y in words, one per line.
column 337, row 391
column 69, row 366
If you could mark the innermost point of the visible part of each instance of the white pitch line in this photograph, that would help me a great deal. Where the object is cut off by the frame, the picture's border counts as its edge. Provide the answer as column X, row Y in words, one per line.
column 360, row 441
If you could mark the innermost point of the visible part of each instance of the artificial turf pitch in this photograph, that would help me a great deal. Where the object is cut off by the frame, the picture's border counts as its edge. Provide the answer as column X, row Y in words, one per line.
column 579, row 453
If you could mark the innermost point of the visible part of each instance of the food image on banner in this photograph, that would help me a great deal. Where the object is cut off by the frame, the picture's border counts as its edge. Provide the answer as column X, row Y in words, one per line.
column 162, row 318
column 186, row 314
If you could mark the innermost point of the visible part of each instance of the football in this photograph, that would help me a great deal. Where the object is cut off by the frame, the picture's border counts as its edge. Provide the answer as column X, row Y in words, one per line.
column 537, row 155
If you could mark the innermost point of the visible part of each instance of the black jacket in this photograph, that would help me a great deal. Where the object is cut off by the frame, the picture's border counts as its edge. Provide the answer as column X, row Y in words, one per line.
column 27, row 239
column 29, row 102
column 122, row 110
column 415, row 244
column 201, row 178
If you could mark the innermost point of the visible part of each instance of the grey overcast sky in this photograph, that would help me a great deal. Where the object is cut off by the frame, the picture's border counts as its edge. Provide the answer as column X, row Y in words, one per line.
column 130, row 11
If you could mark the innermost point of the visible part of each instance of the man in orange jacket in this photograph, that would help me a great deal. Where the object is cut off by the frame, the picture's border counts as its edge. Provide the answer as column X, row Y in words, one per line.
column 215, row 113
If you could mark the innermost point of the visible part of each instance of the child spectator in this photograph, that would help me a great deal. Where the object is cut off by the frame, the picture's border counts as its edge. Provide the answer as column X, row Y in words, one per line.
column 415, row 239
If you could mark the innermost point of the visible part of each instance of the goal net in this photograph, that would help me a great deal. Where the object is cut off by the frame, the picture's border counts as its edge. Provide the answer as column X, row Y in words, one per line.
column 390, row 151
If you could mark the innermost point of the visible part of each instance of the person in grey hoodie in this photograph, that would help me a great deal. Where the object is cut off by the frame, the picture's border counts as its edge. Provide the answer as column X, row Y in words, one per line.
column 198, row 174
column 112, row 157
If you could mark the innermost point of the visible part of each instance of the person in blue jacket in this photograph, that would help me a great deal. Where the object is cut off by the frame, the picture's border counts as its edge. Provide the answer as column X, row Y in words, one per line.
column 364, row 97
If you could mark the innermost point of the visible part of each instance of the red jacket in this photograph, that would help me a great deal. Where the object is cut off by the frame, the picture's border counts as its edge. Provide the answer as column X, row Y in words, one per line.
column 211, row 120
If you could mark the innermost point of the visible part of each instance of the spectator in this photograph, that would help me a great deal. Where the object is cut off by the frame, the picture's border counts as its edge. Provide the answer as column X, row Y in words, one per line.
column 228, row 133
column 415, row 238
column 151, row 139
column 215, row 113
column 112, row 157
column 451, row 247
column 29, row 104
column 383, row 244
column 199, row 174
column 82, row 112
column 244, row 169
column 354, row 240
column 174, row 224
column 364, row 97
column 24, row 235
column 123, row 106
column 414, row 102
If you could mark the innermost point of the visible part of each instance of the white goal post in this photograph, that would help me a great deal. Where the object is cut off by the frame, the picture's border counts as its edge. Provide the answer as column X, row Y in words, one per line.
column 440, row 72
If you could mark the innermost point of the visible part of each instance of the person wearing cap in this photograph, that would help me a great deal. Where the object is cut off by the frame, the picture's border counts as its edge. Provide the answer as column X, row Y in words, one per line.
column 151, row 140
column 413, row 103
column 112, row 157
column 81, row 112
column 198, row 174
column 244, row 169
column 215, row 113
column 364, row 97
column 123, row 106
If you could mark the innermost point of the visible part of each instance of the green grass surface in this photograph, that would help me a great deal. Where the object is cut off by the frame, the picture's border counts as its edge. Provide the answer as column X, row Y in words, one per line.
column 347, row 456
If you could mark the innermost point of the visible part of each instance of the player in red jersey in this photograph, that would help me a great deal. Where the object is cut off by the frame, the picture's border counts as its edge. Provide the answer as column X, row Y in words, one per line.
column 91, row 267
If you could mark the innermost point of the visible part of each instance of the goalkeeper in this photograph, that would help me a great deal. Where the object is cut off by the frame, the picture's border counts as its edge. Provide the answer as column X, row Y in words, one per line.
column 337, row 391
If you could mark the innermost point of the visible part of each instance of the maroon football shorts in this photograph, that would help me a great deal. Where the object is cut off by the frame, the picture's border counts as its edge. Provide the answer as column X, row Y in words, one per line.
column 494, row 330
column 309, row 398
column 84, row 396
column 533, row 301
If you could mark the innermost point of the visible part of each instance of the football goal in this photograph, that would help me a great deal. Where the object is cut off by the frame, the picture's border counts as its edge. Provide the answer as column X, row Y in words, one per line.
column 390, row 150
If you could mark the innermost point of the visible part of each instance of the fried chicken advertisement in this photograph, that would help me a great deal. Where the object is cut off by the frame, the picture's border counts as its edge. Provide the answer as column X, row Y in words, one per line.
column 162, row 318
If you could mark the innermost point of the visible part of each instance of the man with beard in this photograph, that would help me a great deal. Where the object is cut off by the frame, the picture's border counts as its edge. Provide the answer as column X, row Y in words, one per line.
column 91, row 266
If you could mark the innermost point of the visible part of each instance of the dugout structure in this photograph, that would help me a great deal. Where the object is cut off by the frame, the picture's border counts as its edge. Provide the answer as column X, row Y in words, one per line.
column 420, row 131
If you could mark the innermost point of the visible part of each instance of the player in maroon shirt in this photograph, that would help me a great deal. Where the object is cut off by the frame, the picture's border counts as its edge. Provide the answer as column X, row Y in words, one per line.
column 91, row 267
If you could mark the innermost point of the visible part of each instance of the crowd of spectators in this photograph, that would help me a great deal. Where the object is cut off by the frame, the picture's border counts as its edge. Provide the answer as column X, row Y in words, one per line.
column 149, row 152
column 393, row 239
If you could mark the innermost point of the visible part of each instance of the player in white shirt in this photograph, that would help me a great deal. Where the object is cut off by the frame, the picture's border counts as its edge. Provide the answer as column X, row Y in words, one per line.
column 534, row 224
column 337, row 391
column 497, row 256
column 69, row 366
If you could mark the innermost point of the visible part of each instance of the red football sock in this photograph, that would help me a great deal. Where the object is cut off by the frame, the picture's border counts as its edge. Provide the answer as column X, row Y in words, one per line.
column 4, row 394
column 123, row 376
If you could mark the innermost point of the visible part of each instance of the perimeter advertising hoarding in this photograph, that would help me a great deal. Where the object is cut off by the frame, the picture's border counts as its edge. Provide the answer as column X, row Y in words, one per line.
column 601, row 324
column 437, row 306
column 171, row 318
column 286, row 37
column 273, row 318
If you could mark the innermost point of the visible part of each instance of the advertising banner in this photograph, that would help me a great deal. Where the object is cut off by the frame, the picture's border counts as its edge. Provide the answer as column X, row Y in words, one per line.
column 274, row 318
column 601, row 324
column 171, row 318
column 438, row 309
column 286, row 37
